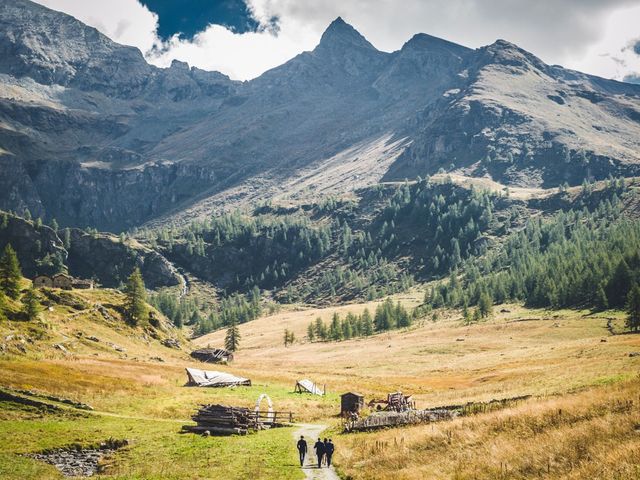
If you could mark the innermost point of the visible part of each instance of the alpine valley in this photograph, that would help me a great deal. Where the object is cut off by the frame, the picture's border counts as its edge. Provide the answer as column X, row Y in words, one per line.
column 458, row 224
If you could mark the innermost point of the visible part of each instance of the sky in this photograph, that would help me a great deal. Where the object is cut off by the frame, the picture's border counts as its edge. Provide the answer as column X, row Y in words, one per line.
column 244, row 38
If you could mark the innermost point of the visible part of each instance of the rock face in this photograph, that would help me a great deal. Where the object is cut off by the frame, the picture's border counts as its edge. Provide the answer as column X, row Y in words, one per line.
column 100, row 256
column 93, row 135
column 111, row 261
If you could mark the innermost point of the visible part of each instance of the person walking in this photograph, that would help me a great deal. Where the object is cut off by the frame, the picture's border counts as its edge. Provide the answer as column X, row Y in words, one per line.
column 302, row 449
column 319, row 448
column 328, row 451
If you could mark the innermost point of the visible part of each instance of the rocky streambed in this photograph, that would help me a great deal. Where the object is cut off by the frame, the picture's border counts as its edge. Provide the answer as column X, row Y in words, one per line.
column 78, row 461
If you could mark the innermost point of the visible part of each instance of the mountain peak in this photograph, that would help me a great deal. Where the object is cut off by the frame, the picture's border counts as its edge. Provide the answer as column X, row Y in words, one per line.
column 340, row 33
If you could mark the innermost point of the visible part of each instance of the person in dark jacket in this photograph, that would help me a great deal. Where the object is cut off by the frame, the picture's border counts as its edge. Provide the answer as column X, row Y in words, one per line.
column 302, row 449
column 328, row 450
column 319, row 448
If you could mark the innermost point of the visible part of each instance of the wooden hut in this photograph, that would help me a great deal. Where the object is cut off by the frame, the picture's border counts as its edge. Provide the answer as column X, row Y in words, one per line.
column 351, row 402
column 43, row 281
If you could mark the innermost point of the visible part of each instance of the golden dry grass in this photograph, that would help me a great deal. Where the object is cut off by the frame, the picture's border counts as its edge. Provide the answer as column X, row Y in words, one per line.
column 594, row 434
column 517, row 352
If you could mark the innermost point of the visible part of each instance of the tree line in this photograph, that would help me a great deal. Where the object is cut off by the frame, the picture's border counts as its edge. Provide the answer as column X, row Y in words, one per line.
column 387, row 316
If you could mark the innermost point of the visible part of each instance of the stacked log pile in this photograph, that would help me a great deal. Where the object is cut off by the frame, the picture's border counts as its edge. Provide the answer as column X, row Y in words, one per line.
column 223, row 420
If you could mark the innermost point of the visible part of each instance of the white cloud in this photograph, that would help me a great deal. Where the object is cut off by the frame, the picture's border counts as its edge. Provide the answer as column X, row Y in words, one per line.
column 583, row 34
column 124, row 21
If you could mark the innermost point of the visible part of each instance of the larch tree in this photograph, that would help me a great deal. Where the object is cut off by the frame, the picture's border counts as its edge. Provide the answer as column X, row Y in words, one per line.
column 136, row 296
column 31, row 304
column 10, row 273
column 232, row 338
column 633, row 309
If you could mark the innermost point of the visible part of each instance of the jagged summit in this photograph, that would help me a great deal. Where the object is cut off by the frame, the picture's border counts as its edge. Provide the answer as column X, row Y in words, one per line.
column 424, row 41
column 122, row 133
column 339, row 34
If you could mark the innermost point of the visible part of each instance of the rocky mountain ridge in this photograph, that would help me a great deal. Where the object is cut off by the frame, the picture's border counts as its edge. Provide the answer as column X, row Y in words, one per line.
column 92, row 135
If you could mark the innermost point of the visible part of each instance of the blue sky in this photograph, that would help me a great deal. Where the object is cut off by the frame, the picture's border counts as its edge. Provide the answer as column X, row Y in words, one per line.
column 186, row 18
column 241, row 39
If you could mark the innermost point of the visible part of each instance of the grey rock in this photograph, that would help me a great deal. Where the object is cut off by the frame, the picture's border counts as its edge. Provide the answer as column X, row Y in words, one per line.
column 96, row 136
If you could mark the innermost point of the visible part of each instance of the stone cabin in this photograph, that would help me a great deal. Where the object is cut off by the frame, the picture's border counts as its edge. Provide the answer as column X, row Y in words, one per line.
column 61, row 280
column 43, row 281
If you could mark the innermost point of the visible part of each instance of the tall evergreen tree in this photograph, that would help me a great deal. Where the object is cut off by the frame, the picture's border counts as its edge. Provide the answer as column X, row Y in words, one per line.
column 335, row 330
column 232, row 338
column 31, row 304
column 633, row 309
column 311, row 332
column 10, row 274
column 367, row 323
column 135, row 302
column 485, row 305
column 3, row 305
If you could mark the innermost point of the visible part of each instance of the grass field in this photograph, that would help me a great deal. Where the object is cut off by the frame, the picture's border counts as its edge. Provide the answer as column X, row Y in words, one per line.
column 567, row 360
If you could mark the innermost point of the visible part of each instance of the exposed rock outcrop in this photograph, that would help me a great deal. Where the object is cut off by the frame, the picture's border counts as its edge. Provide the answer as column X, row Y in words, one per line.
column 91, row 134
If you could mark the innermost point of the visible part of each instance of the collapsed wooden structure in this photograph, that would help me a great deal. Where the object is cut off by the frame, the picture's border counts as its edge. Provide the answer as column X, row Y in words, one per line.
column 212, row 355
column 307, row 386
column 395, row 402
column 210, row 378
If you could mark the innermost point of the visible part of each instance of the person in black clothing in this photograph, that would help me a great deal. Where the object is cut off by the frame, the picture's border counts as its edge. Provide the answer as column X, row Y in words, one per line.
column 302, row 449
column 319, row 448
column 328, row 450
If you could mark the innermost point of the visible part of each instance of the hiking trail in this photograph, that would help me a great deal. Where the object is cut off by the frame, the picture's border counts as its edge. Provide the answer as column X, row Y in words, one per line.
column 311, row 471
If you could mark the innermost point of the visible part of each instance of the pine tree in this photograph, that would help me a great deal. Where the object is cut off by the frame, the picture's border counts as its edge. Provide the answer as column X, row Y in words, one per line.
column 232, row 338
column 3, row 305
column 335, row 330
column 602, row 302
column 54, row 225
column 367, row 323
column 485, row 305
column 10, row 274
column 135, row 302
column 31, row 303
column 633, row 309
column 311, row 332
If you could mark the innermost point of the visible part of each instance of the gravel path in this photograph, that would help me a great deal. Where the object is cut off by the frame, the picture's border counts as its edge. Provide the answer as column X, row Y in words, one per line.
column 310, row 467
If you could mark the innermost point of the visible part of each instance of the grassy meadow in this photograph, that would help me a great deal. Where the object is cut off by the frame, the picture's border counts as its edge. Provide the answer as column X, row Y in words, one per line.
column 579, row 423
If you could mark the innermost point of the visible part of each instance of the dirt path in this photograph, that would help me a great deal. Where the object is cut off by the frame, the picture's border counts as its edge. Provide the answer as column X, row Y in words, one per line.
column 311, row 471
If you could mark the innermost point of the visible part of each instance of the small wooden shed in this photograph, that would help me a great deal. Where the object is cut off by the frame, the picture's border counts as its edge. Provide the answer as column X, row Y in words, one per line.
column 351, row 402
column 43, row 281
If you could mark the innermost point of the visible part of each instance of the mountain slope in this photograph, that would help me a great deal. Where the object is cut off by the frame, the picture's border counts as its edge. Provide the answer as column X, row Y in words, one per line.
column 92, row 135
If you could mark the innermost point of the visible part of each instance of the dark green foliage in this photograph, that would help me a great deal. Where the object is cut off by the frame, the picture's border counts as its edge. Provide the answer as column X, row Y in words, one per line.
column 31, row 304
column 485, row 305
column 135, row 301
column 289, row 337
column 439, row 223
column 311, row 332
column 260, row 251
column 388, row 316
column 633, row 309
column 236, row 308
column 585, row 258
column 10, row 274
column 3, row 306
column 232, row 338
